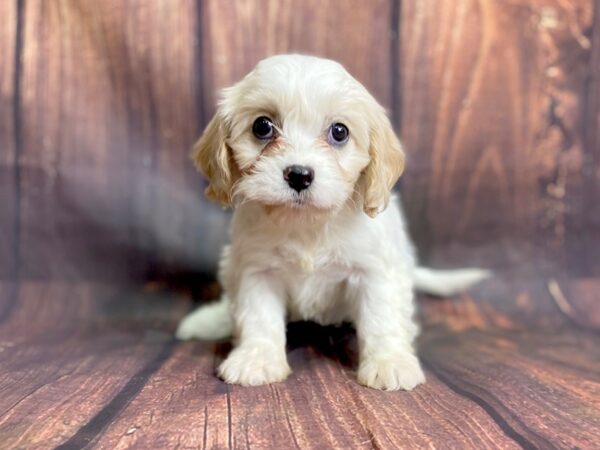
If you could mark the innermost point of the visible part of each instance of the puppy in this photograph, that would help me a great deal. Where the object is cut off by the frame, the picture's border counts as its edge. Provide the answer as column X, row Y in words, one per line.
column 307, row 158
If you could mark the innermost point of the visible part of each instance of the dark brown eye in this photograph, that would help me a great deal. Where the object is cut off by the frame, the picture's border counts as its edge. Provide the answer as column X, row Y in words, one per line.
column 263, row 128
column 338, row 134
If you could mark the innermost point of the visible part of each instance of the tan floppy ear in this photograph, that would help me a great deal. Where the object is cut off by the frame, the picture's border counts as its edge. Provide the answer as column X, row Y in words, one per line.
column 385, row 167
column 214, row 160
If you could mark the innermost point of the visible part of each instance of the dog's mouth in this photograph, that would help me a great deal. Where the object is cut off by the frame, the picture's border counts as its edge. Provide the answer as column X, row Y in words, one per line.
column 304, row 200
column 299, row 202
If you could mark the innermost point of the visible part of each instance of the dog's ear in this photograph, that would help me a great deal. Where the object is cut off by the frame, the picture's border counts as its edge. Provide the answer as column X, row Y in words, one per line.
column 214, row 160
column 385, row 167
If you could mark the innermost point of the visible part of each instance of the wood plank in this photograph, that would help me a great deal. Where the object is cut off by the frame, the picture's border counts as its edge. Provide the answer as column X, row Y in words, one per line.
column 8, row 298
column 584, row 217
column 75, row 353
column 109, row 93
column 319, row 406
column 492, row 120
column 92, row 364
column 530, row 380
column 498, row 388
column 593, row 145
column 8, row 146
column 238, row 34
column 522, row 296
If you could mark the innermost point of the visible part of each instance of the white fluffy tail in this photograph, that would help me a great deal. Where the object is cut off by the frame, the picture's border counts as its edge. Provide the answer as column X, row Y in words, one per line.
column 444, row 283
column 209, row 322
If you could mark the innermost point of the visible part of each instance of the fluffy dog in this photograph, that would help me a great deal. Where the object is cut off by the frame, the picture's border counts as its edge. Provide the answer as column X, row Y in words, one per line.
column 307, row 158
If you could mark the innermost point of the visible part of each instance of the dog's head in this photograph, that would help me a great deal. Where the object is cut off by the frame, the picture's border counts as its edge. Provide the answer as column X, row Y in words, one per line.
column 300, row 132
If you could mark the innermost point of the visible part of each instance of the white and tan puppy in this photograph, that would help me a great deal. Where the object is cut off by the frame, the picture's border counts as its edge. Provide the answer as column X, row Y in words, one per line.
column 307, row 158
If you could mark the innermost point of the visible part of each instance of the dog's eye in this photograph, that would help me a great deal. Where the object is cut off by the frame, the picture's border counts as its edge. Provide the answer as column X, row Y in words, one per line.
column 338, row 134
column 263, row 128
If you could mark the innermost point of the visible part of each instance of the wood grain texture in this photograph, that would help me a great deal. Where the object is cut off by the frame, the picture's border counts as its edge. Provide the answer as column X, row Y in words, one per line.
column 584, row 231
column 492, row 120
column 8, row 142
column 109, row 95
column 236, row 35
column 86, row 355
column 533, row 383
column 320, row 406
column 112, row 96
column 100, row 370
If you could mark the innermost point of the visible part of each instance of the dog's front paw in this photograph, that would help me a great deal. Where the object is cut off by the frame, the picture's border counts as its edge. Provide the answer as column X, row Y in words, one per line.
column 391, row 372
column 253, row 366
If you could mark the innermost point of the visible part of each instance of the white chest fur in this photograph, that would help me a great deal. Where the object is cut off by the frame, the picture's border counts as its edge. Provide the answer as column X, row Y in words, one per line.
column 315, row 281
column 318, row 263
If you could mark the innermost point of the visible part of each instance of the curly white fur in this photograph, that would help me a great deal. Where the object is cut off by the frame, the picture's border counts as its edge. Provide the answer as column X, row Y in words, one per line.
column 332, row 253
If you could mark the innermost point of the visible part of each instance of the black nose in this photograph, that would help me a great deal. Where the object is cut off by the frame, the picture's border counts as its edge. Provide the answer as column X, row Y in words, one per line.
column 298, row 177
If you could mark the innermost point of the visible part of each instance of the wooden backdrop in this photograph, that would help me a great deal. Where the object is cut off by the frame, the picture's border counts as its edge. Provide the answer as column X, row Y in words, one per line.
column 498, row 104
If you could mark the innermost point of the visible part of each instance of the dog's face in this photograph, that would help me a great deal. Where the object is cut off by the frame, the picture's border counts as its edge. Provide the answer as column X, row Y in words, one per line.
column 300, row 132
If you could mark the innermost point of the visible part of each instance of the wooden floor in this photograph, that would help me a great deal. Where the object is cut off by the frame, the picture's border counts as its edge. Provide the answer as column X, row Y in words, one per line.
column 513, row 364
